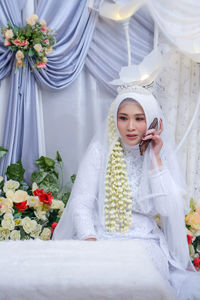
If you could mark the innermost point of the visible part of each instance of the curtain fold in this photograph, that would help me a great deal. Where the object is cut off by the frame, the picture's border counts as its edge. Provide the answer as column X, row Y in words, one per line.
column 179, row 21
column 108, row 49
column 74, row 24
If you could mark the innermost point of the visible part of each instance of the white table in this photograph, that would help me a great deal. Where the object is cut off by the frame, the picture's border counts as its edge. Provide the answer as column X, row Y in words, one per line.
column 79, row 270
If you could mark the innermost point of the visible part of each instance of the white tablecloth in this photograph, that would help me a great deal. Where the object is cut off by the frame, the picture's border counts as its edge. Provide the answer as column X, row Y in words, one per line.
column 79, row 270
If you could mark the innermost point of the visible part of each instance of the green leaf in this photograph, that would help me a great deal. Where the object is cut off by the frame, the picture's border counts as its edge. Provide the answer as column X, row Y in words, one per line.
column 31, row 52
column 65, row 197
column 73, row 178
column 45, row 163
column 58, row 157
column 38, row 176
column 3, row 151
column 50, row 184
column 15, row 171
column 18, row 215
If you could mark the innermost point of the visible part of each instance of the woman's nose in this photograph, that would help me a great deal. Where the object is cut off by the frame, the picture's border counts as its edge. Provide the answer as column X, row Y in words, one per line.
column 131, row 125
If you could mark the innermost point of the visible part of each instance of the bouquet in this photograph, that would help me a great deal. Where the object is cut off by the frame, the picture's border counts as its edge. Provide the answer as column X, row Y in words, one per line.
column 31, row 212
column 192, row 221
column 33, row 40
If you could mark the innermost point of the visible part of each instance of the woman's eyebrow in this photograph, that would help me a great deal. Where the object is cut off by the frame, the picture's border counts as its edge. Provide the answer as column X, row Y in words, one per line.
column 140, row 114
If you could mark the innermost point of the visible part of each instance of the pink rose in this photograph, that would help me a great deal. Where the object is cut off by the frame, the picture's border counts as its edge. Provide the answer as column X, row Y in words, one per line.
column 43, row 28
column 6, row 43
column 17, row 42
column 41, row 65
column 24, row 43
column 46, row 42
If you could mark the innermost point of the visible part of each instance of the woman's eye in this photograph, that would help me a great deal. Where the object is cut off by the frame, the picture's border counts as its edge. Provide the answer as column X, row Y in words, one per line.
column 139, row 119
column 122, row 118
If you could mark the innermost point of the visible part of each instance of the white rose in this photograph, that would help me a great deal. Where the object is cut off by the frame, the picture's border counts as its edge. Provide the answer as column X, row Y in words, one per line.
column 57, row 204
column 4, row 234
column 7, row 206
column 20, row 196
column 40, row 214
column 29, row 225
column 1, row 178
column 32, row 20
column 43, row 22
column 35, row 233
column 38, row 47
column 48, row 51
column 15, row 235
column 33, row 201
column 19, row 54
column 46, row 234
column 45, row 59
column 9, row 34
column 11, row 185
column 8, row 222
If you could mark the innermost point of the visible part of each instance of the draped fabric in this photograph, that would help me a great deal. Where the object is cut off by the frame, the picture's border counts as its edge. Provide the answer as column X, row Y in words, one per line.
column 108, row 49
column 74, row 24
column 179, row 21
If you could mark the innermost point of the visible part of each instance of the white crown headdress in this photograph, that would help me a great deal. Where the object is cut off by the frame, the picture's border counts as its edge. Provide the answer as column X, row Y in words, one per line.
column 128, row 88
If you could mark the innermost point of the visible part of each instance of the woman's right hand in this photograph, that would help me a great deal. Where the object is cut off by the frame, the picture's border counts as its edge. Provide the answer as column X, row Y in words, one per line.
column 91, row 239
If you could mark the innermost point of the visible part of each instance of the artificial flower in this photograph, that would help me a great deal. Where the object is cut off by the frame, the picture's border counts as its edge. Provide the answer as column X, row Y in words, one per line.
column 41, row 65
column 8, row 222
column 33, row 201
column 46, row 234
column 29, row 225
column 22, row 206
column 189, row 239
column 19, row 55
column 38, row 47
column 9, row 34
column 4, row 234
column 46, row 198
column 10, row 185
column 36, row 232
column 15, row 235
column 32, row 20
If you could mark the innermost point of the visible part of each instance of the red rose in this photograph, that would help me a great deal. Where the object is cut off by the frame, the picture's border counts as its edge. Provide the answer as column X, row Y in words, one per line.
column 53, row 226
column 44, row 197
column 43, row 28
column 196, row 262
column 22, row 206
column 189, row 239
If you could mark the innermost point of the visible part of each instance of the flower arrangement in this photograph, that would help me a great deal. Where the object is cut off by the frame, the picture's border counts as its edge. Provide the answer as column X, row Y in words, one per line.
column 31, row 212
column 192, row 221
column 33, row 40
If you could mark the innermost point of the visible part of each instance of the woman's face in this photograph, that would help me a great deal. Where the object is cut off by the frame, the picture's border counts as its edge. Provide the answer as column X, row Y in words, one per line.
column 131, row 123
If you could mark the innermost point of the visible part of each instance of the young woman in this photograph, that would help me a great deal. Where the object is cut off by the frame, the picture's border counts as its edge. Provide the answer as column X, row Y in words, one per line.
column 119, row 189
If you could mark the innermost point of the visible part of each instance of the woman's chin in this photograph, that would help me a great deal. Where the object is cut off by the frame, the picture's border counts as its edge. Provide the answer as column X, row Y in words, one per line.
column 130, row 142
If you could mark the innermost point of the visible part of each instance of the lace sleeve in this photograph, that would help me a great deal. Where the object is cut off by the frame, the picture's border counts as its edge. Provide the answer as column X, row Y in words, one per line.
column 85, row 193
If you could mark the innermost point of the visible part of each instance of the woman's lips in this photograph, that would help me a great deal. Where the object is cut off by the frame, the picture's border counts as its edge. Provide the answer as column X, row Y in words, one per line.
column 132, row 136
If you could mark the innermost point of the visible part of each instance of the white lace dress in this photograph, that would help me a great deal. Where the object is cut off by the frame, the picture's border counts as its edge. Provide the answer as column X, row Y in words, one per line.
column 144, row 227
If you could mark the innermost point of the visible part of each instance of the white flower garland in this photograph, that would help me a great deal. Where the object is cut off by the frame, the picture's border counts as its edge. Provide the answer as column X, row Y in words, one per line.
column 118, row 202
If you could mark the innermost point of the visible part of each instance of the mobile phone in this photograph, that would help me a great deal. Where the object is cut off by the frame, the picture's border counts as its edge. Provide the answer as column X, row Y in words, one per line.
column 144, row 144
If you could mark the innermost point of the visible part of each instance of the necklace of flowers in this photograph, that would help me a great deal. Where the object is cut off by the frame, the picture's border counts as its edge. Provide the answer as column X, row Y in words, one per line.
column 118, row 202
column 33, row 40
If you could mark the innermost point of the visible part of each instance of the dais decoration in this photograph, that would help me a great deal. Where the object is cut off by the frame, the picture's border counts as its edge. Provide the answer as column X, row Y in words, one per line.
column 34, row 39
